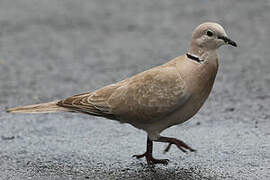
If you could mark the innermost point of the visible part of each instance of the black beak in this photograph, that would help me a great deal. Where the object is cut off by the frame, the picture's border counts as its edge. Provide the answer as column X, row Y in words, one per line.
column 228, row 41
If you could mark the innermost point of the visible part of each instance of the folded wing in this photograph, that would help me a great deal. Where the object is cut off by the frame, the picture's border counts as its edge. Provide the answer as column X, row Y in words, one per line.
column 143, row 98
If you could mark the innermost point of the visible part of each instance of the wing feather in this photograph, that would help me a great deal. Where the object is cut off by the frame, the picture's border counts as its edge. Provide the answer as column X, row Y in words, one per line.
column 145, row 97
column 94, row 103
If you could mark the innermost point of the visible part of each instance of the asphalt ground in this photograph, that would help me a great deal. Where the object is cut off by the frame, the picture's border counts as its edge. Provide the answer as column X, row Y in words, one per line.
column 54, row 49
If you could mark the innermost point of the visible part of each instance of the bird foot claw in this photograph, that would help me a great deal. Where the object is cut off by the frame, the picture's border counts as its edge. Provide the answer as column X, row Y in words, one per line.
column 180, row 144
column 139, row 156
column 150, row 160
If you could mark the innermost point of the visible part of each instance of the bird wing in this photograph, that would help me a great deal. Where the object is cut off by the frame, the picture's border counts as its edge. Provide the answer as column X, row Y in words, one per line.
column 93, row 103
column 145, row 97
column 149, row 96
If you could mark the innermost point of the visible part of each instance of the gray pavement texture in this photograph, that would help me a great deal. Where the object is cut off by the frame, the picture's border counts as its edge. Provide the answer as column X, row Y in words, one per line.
column 51, row 49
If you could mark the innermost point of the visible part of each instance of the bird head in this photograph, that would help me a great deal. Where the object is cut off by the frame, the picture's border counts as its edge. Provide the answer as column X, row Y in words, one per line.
column 210, row 36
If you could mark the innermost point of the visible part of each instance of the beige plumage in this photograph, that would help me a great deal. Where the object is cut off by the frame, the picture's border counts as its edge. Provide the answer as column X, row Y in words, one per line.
column 155, row 99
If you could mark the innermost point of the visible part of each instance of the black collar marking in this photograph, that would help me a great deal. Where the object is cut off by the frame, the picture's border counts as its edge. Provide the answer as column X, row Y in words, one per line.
column 195, row 58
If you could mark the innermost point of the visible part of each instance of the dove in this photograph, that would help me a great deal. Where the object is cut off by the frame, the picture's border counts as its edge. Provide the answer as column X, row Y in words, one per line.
column 158, row 98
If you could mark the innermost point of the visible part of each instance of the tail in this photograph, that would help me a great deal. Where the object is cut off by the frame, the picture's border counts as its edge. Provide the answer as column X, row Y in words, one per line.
column 49, row 107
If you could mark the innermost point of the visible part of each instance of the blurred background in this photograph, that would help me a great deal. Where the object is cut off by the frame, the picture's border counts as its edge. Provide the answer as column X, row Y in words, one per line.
column 54, row 49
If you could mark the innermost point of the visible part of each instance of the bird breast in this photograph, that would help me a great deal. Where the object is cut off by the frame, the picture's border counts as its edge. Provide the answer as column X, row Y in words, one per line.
column 199, row 79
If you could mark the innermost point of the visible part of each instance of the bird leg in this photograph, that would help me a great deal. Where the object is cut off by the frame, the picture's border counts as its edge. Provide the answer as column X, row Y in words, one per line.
column 180, row 144
column 148, row 155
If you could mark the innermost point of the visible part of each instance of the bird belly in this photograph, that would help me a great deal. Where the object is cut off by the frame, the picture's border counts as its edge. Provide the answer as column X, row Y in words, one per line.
column 179, row 116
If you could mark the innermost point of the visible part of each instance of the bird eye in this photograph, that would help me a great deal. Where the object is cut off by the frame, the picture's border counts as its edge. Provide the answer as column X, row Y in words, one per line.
column 209, row 33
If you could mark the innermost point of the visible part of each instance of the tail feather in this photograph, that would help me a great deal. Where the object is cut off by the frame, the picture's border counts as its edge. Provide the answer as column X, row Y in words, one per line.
column 39, row 108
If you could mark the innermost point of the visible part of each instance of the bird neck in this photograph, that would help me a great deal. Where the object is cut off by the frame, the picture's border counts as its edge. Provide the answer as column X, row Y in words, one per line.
column 203, row 53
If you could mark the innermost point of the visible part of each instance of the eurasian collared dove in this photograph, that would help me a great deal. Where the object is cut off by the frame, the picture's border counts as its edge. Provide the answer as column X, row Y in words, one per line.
column 158, row 98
